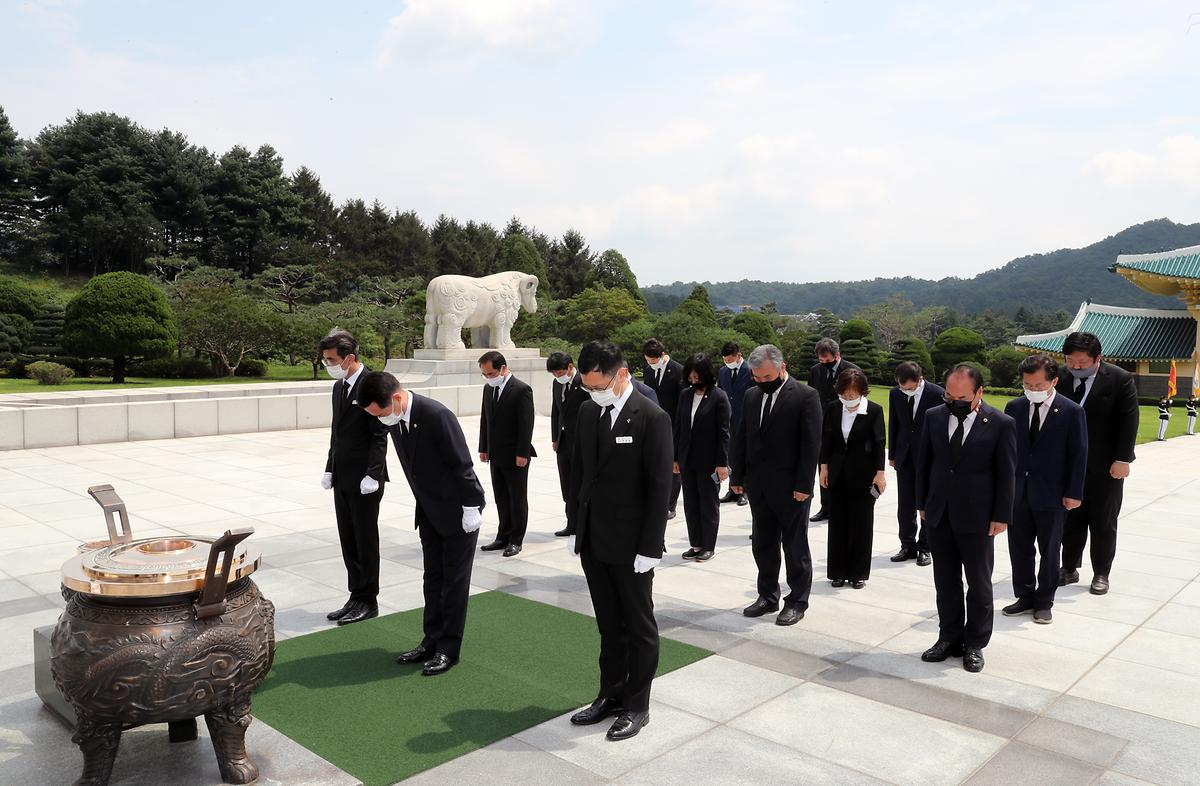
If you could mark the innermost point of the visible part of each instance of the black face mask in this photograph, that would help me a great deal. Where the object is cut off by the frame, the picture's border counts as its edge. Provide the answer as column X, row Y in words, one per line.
column 959, row 409
column 770, row 387
column 698, row 386
column 830, row 364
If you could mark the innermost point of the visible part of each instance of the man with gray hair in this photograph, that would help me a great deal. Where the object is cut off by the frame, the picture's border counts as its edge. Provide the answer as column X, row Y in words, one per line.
column 821, row 378
column 774, row 461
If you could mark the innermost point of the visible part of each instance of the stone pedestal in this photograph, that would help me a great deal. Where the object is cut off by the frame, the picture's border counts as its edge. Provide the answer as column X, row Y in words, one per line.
column 452, row 376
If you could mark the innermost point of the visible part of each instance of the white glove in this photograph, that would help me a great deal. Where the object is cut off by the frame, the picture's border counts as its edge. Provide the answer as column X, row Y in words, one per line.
column 643, row 564
column 472, row 519
column 571, row 546
column 368, row 485
column 327, row 481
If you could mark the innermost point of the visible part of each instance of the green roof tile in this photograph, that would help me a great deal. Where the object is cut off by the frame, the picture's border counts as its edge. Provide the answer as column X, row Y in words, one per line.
column 1180, row 263
column 1126, row 333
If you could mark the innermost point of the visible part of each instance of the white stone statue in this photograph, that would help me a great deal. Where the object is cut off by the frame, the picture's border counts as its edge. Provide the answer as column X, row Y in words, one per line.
column 487, row 305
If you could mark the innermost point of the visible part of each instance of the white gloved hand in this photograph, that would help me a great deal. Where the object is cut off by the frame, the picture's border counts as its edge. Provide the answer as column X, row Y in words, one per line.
column 327, row 481
column 368, row 485
column 643, row 564
column 472, row 519
column 571, row 546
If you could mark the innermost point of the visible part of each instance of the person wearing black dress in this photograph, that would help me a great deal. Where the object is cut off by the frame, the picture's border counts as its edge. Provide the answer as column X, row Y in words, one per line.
column 701, row 453
column 852, row 462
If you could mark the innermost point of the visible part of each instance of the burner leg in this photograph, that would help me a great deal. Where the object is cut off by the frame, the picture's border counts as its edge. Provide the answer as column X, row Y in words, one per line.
column 227, row 727
column 98, row 742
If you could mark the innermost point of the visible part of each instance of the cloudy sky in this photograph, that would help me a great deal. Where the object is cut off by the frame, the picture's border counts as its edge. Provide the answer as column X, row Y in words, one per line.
column 706, row 140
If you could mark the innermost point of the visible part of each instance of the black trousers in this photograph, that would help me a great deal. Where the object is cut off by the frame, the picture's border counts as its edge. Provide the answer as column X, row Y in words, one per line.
column 851, row 531
column 911, row 527
column 624, row 607
column 780, row 522
column 563, row 458
column 956, row 554
column 510, row 487
column 358, row 530
column 446, row 585
column 1035, row 532
column 701, row 507
column 676, row 485
column 1102, row 495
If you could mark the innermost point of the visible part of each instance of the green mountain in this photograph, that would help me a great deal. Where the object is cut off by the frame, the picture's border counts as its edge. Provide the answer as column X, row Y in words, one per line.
column 1058, row 279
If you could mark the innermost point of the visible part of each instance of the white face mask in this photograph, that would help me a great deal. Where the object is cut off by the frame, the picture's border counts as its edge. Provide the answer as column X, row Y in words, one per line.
column 336, row 371
column 495, row 381
column 657, row 364
column 849, row 403
column 1037, row 396
column 565, row 379
column 603, row 397
column 732, row 366
column 392, row 419
column 910, row 393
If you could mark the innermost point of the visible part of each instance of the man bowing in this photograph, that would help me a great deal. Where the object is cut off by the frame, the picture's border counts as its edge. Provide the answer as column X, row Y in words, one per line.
column 617, row 519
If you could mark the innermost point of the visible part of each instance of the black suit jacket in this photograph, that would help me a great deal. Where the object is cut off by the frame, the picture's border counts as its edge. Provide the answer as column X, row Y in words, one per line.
column 621, row 482
column 506, row 427
column 1054, row 465
column 667, row 391
column 903, row 432
column 703, row 442
column 438, row 465
column 564, row 411
column 781, row 458
column 976, row 490
column 860, row 456
column 735, row 386
column 819, row 380
column 645, row 390
column 357, row 441
column 1112, row 415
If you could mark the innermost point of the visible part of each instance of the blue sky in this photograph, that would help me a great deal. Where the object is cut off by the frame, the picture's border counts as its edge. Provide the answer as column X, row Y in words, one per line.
column 705, row 140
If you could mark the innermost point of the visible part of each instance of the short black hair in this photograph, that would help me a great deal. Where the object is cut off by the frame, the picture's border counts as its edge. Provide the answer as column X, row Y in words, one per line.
column 909, row 371
column 1035, row 363
column 341, row 342
column 1082, row 342
column 377, row 387
column 495, row 358
column 653, row 348
column 970, row 370
column 852, row 378
column 703, row 367
column 730, row 348
column 602, row 356
column 826, row 346
column 558, row 361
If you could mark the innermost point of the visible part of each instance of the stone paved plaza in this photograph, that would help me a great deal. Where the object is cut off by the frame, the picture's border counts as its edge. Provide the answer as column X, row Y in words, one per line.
column 1110, row 693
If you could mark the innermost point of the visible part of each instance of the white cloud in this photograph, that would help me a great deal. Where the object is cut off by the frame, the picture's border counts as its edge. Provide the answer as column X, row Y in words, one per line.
column 1174, row 163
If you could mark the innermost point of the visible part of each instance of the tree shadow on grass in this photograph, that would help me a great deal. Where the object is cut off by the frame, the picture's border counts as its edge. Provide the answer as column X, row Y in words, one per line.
column 479, row 727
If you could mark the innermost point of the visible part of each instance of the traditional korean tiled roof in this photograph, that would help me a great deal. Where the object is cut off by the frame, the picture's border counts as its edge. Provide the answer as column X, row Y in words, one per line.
column 1125, row 333
column 1180, row 263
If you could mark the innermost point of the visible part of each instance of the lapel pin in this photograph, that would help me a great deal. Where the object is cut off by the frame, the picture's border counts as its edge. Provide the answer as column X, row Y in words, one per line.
column 985, row 420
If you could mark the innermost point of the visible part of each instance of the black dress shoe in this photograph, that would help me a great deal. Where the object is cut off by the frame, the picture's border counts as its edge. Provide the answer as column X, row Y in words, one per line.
column 495, row 545
column 729, row 497
column 904, row 554
column 343, row 611
column 742, row 501
column 417, row 655
column 790, row 615
column 942, row 650
column 562, row 533
column 858, row 584
column 600, row 709
column 923, row 559
column 1099, row 585
column 438, row 664
column 1043, row 616
column 1020, row 607
column 821, row 515
column 691, row 553
column 703, row 556
column 627, row 725
column 1066, row 577
column 513, row 550
column 973, row 660
column 364, row 611
column 759, row 608
column 838, row 582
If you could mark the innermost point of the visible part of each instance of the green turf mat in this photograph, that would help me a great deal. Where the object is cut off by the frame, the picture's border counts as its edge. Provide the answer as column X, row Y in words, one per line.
column 340, row 693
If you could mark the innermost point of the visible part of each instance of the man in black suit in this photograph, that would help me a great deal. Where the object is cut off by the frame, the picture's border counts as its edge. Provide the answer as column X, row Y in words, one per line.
column 506, row 445
column 617, row 519
column 966, row 462
column 774, row 462
column 734, row 378
column 908, row 402
column 356, row 470
column 566, row 395
column 665, row 377
column 1051, row 465
column 437, row 463
column 1108, row 396
column 821, row 378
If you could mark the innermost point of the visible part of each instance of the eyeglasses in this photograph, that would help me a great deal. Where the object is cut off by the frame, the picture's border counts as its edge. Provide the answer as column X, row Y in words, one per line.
column 331, row 363
column 590, row 389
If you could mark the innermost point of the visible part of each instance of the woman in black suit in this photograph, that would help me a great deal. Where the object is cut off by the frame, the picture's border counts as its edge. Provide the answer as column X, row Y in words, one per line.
column 852, row 461
column 701, row 453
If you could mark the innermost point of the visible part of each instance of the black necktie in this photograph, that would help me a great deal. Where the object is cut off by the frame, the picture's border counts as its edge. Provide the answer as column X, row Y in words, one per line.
column 348, row 387
column 1078, row 391
column 766, row 413
column 404, row 433
column 1035, row 425
column 606, row 420
column 956, row 439
column 912, row 410
column 496, row 395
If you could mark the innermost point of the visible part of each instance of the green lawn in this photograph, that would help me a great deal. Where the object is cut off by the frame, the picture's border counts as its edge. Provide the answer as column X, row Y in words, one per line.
column 278, row 372
column 1147, row 423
